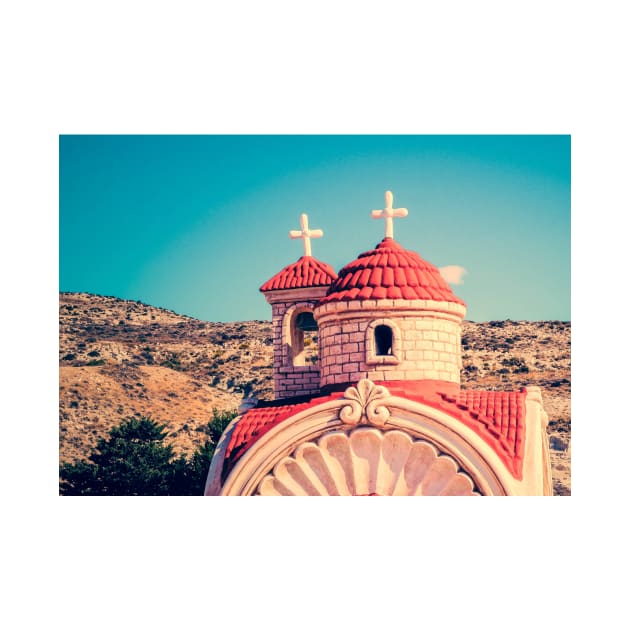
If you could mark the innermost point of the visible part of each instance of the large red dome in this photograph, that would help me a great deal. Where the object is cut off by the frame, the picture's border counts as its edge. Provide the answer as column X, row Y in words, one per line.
column 389, row 271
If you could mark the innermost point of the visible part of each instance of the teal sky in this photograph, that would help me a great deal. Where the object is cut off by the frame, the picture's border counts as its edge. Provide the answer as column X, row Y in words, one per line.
column 197, row 223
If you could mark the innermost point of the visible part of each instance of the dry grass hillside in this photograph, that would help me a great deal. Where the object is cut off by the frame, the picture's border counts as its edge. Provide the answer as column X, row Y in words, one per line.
column 120, row 358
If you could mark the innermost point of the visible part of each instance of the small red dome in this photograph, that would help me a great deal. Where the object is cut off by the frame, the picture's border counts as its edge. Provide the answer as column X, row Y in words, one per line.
column 306, row 272
column 389, row 271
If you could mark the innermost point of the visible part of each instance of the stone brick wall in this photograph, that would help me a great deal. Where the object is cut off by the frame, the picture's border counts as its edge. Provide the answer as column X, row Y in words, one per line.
column 427, row 342
column 289, row 379
column 296, row 380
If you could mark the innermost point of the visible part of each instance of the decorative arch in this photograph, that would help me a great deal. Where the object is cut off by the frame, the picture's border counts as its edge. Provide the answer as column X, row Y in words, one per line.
column 367, row 461
column 383, row 342
column 295, row 351
column 443, row 438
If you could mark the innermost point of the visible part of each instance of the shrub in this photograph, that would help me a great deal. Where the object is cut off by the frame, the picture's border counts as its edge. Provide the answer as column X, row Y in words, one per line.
column 135, row 461
column 132, row 461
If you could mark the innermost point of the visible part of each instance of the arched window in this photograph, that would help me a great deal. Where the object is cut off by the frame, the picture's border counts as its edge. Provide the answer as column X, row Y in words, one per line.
column 301, row 337
column 382, row 343
column 383, row 339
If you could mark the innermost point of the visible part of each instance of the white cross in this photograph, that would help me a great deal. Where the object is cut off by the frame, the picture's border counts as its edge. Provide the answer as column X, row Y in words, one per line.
column 389, row 213
column 305, row 234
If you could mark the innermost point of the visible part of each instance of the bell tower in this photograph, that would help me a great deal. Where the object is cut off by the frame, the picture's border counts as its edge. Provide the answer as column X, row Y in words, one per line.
column 293, row 293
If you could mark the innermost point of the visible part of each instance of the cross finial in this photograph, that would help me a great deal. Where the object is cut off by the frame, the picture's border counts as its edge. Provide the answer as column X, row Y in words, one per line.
column 305, row 234
column 388, row 213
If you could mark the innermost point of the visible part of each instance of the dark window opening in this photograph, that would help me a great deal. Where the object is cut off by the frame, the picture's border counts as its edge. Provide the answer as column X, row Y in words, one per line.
column 383, row 340
column 306, row 322
column 304, row 339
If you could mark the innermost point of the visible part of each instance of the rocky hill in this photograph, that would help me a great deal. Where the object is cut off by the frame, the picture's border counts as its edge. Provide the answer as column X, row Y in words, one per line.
column 119, row 358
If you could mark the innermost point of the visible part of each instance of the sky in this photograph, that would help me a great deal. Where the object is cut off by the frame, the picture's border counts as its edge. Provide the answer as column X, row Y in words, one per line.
column 196, row 224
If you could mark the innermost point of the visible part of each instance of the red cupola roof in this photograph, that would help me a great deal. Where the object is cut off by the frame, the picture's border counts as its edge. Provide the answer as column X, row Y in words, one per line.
column 306, row 272
column 389, row 271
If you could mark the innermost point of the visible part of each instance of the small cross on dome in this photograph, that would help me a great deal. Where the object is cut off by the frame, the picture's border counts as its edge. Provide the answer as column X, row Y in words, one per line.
column 305, row 234
column 388, row 213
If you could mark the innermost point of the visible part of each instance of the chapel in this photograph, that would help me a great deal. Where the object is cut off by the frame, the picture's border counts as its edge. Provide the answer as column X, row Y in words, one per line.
column 367, row 395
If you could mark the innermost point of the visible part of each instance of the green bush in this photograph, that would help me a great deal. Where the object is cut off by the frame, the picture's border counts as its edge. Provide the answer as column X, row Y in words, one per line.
column 135, row 461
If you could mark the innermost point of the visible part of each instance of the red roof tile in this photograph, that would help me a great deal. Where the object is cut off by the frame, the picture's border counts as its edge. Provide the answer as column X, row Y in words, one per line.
column 256, row 422
column 497, row 417
column 392, row 272
column 306, row 272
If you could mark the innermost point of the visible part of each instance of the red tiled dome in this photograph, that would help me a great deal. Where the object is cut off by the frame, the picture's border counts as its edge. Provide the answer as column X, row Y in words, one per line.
column 306, row 272
column 389, row 271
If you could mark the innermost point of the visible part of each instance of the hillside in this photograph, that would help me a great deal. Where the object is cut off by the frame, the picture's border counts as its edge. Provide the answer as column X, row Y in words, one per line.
column 120, row 358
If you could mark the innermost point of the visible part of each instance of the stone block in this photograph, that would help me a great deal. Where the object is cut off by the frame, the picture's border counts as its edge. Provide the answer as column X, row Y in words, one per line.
column 376, row 375
column 406, row 323
column 350, row 367
column 414, row 375
column 446, row 375
column 294, row 388
column 414, row 355
column 423, row 324
column 394, row 375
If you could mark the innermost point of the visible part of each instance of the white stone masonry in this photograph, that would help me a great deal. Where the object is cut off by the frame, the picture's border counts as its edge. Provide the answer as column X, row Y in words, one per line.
column 426, row 343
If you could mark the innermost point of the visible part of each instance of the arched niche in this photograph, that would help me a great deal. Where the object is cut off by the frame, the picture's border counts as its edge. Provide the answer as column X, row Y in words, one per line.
column 300, row 336
column 383, row 342
column 446, row 435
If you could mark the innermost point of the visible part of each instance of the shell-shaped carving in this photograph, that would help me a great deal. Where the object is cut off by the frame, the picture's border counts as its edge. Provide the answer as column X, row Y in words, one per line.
column 367, row 461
